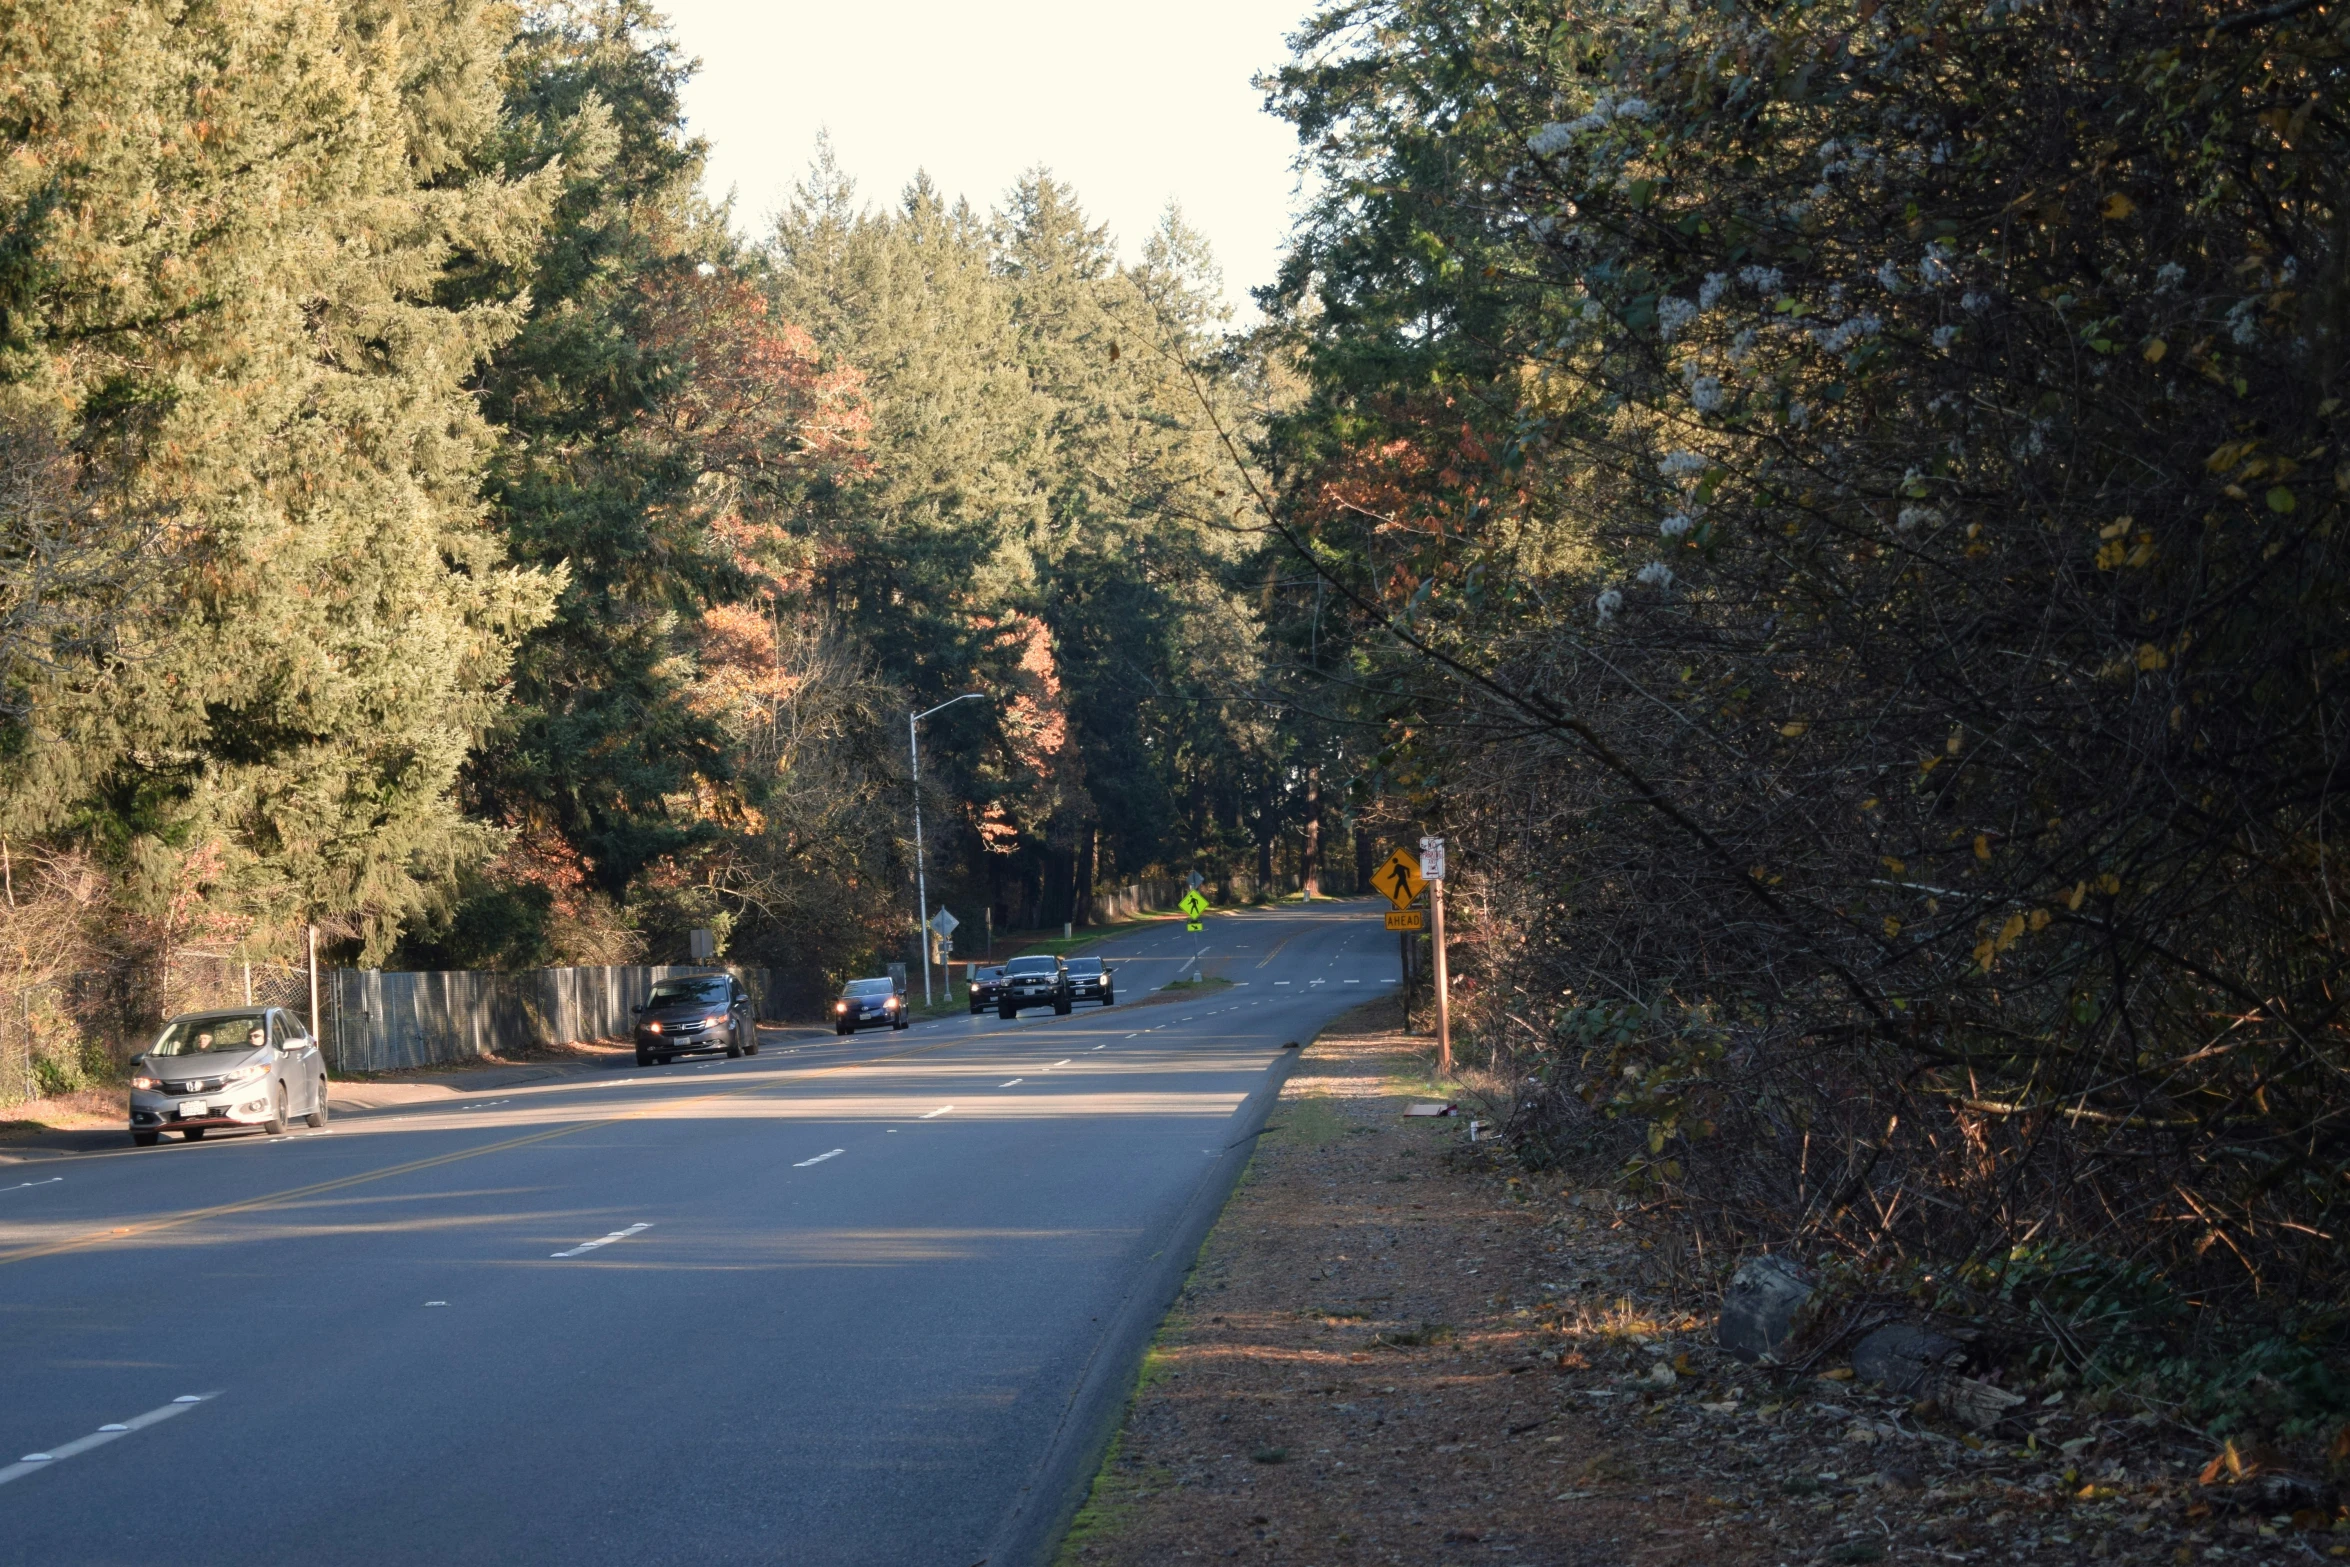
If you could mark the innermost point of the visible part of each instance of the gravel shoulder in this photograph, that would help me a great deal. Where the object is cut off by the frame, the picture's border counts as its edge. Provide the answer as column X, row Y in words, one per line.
column 1397, row 1346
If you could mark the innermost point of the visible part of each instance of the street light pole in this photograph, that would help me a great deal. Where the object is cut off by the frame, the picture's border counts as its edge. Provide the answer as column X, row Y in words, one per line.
column 921, row 881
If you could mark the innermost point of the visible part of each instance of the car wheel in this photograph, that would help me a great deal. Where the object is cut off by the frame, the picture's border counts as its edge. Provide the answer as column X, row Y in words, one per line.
column 734, row 1047
column 644, row 1058
column 317, row 1115
column 146, row 1139
column 752, row 1048
column 1109, row 998
column 1007, row 1011
column 194, row 1134
column 1061, row 1007
column 275, row 1126
column 665, row 1059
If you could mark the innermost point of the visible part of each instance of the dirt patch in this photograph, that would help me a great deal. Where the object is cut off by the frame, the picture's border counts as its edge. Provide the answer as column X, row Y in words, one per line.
column 83, row 1110
column 1398, row 1347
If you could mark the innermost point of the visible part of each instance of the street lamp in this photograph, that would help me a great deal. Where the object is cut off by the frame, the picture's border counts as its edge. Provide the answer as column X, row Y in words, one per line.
column 921, row 884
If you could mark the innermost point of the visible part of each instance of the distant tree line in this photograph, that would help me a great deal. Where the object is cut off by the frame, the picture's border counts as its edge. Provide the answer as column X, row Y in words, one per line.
column 423, row 517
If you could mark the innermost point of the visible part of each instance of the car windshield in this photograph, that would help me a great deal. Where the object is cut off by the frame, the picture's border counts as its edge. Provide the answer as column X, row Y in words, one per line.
column 870, row 987
column 672, row 991
column 1085, row 965
column 1029, row 966
column 196, row 1036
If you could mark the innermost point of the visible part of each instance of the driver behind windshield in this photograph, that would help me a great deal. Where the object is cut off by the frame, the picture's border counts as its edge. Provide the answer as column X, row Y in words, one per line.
column 211, row 1035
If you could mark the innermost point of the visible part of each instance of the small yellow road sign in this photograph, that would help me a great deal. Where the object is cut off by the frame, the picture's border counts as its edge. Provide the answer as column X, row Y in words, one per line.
column 1193, row 906
column 1400, row 879
column 1406, row 919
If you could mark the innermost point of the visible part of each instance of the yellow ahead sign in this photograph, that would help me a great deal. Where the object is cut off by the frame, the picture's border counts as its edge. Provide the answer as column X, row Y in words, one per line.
column 1406, row 919
column 1400, row 879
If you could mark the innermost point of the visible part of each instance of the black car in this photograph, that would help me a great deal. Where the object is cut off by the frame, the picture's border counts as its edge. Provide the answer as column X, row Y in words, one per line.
column 1090, row 979
column 864, row 1001
column 987, row 985
column 696, row 1012
column 1033, row 982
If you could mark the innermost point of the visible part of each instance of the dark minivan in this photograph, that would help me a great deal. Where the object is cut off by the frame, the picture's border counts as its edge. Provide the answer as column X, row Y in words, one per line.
column 695, row 1012
column 1090, row 979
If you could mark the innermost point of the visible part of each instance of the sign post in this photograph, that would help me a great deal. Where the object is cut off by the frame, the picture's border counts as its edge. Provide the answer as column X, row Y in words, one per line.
column 942, row 925
column 1432, row 872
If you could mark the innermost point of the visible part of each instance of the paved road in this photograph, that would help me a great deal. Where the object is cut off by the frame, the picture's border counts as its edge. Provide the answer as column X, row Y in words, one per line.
column 848, row 1301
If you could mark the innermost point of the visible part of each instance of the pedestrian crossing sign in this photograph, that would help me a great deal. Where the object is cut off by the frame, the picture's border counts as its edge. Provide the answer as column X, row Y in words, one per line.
column 1193, row 906
column 1399, row 878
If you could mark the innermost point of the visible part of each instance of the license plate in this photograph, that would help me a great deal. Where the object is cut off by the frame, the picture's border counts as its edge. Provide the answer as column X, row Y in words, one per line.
column 194, row 1107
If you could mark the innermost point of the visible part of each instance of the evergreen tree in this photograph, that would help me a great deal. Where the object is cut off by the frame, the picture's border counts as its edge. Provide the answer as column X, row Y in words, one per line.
column 227, row 232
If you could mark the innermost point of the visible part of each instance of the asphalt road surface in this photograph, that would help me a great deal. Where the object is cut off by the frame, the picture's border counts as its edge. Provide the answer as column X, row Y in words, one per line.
column 867, row 1300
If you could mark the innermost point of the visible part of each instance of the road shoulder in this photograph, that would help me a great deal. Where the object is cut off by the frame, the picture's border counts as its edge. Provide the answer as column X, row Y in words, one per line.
column 1396, row 1346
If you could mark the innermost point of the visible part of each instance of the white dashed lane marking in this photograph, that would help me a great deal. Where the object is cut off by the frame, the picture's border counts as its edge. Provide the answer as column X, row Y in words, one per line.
column 21, row 1185
column 935, row 1114
column 1014, row 1080
column 820, row 1158
column 616, row 1235
column 100, row 1437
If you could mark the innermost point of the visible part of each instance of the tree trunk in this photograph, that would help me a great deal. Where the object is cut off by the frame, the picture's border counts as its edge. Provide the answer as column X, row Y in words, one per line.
column 1310, row 857
column 1363, row 866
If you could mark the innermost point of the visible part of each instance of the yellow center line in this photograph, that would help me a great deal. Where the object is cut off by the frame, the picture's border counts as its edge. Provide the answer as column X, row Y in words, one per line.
column 194, row 1215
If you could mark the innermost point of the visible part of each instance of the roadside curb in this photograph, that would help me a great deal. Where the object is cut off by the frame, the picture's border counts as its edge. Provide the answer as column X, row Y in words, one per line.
column 1059, row 1483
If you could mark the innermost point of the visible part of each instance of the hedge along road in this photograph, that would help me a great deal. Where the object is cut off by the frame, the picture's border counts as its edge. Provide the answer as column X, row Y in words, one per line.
column 871, row 1300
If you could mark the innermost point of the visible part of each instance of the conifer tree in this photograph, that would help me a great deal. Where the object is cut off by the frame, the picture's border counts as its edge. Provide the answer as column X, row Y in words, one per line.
column 227, row 232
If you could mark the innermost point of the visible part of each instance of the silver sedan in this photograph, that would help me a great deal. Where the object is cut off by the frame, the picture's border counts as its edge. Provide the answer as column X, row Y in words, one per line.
column 209, row 1071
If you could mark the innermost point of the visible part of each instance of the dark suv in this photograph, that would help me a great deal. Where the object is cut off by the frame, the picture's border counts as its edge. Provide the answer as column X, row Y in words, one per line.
column 987, row 985
column 1090, row 979
column 1033, row 982
column 693, row 1012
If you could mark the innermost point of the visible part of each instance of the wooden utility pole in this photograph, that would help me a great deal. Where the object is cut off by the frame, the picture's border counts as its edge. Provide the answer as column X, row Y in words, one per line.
column 1443, row 988
column 1432, row 872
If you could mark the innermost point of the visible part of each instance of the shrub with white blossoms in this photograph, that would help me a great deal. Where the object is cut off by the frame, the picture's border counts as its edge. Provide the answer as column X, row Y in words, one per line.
column 1916, row 517
column 1607, row 604
column 1656, row 574
column 1681, row 464
column 1672, row 314
column 1705, row 393
column 1551, row 140
column 1676, row 525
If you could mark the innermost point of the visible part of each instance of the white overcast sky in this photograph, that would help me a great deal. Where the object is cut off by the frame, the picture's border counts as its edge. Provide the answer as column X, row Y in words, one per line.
column 1134, row 105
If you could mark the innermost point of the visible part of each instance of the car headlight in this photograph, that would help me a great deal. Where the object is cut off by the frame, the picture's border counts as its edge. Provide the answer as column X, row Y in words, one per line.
column 713, row 1020
column 840, row 1006
column 891, row 1003
column 246, row 1074
column 652, row 1028
column 144, row 1081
